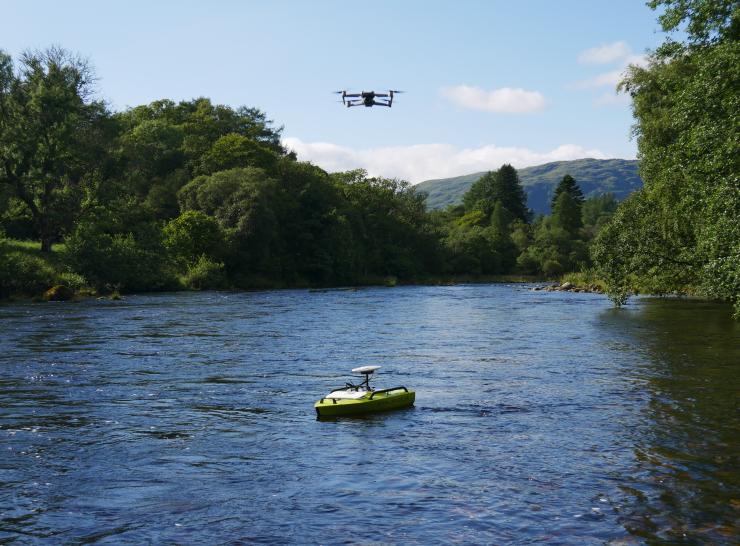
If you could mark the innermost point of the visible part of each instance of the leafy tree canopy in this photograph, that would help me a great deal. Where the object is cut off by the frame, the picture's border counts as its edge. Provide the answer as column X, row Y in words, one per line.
column 502, row 185
column 682, row 232
column 706, row 20
column 53, row 136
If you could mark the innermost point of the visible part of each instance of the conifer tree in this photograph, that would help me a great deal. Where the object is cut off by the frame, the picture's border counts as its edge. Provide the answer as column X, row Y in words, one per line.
column 566, row 213
column 569, row 184
column 508, row 189
column 500, row 219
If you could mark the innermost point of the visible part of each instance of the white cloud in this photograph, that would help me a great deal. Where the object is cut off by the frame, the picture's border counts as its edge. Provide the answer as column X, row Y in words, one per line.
column 637, row 60
column 605, row 54
column 613, row 77
column 612, row 99
column 504, row 100
column 425, row 161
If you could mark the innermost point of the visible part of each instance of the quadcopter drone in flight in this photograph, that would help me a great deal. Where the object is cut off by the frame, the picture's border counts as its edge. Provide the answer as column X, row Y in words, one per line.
column 367, row 98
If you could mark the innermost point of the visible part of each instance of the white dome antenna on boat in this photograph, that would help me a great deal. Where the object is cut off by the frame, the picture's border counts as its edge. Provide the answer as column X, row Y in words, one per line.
column 367, row 371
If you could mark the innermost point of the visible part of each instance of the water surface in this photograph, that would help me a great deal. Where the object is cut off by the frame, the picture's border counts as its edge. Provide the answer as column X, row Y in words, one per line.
column 540, row 418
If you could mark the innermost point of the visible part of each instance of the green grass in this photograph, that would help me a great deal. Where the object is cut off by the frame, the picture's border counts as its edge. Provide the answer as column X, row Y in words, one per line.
column 584, row 279
column 33, row 248
column 26, row 271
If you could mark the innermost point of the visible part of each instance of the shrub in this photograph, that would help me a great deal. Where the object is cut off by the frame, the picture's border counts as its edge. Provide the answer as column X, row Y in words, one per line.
column 127, row 261
column 205, row 274
column 192, row 235
column 24, row 274
column 72, row 280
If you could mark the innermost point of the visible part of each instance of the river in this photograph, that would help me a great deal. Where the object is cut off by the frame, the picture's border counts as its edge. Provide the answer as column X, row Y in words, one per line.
column 545, row 418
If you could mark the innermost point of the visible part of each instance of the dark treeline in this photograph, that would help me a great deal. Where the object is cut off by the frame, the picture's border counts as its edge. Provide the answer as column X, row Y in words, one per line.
column 196, row 195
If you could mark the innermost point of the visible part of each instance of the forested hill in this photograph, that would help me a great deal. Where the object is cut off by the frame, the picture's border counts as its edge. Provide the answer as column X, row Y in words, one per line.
column 594, row 176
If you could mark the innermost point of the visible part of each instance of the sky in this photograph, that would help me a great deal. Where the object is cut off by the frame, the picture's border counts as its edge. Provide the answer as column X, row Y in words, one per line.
column 486, row 82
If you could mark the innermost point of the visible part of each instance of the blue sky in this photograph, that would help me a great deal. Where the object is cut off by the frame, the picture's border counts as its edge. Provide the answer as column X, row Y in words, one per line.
column 486, row 82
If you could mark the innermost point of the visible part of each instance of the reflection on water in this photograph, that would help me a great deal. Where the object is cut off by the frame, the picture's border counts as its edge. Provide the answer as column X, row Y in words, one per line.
column 540, row 418
column 685, row 486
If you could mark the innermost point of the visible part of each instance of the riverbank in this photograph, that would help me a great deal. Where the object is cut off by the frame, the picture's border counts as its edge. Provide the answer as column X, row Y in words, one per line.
column 59, row 291
column 27, row 273
column 584, row 281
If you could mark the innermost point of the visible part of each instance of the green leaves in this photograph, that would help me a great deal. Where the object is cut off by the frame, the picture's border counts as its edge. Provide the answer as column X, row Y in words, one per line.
column 567, row 184
column 234, row 150
column 493, row 235
column 554, row 250
column 192, row 236
column 502, row 185
column 681, row 233
column 128, row 260
column 52, row 136
column 707, row 20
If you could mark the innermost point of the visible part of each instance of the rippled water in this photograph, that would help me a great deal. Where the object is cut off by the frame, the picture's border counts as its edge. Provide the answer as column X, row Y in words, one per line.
column 550, row 418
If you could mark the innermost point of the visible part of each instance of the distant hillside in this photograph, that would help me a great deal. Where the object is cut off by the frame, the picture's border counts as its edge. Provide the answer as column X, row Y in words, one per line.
column 594, row 176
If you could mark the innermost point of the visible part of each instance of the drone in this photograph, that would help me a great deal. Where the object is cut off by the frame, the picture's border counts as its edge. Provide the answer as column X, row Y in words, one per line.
column 367, row 98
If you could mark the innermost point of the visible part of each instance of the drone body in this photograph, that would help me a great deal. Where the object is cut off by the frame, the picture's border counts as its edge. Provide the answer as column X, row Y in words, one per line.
column 368, row 98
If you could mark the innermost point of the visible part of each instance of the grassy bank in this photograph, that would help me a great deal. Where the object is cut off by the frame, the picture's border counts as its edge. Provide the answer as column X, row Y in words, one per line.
column 25, row 271
column 585, row 280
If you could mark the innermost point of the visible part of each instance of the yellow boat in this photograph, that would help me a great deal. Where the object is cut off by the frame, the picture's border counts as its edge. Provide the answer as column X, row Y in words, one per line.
column 360, row 399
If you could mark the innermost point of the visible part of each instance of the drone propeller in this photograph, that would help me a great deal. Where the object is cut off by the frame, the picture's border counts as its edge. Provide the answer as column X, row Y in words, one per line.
column 396, row 91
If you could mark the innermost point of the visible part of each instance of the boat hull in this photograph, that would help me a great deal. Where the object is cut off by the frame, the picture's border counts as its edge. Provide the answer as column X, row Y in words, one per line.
column 383, row 401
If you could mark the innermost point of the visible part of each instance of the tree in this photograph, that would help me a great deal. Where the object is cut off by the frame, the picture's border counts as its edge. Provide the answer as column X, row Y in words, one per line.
column 152, row 164
column 313, row 225
column 390, row 226
column 566, row 213
column 502, row 185
column 707, row 20
column 567, row 184
column 164, row 145
column 193, row 235
column 245, row 204
column 204, row 123
column 52, row 136
column 473, row 251
column 501, row 218
column 567, row 204
column 554, row 249
column 682, row 231
column 508, row 189
column 481, row 195
column 122, row 259
column 597, row 211
column 637, row 250
column 233, row 150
